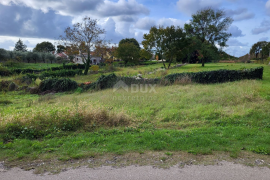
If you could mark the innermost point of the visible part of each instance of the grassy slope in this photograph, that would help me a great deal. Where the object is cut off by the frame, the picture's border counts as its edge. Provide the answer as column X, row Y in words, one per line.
column 196, row 118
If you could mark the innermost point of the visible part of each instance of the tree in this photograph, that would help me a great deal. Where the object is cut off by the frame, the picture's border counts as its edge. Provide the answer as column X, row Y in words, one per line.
column 257, row 48
column 19, row 46
column 83, row 36
column 29, row 56
column 266, row 50
column 174, row 43
column 145, row 54
column 44, row 47
column 209, row 26
column 35, row 56
column 128, row 52
column 3, row 54
column 169, row 42
column 155, row 41
column 51, row 57
column 130, row 40
column 61, row 48
column 43, row 57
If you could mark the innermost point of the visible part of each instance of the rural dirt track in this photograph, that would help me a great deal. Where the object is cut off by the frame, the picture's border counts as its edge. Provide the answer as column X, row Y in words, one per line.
column 223, row 171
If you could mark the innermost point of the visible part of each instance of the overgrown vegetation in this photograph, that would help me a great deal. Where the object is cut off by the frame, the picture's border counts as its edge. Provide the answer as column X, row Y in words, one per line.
column 186, row 116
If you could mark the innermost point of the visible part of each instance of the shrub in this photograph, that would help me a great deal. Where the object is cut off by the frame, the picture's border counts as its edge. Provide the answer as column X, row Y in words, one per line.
column 60, row 73
column 218, row 76
column 4, row 71
column 94, row 68
column 33, row 77
column 57, row 84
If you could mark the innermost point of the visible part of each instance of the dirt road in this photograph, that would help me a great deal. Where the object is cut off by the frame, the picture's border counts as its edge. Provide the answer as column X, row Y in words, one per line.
column 223, row 171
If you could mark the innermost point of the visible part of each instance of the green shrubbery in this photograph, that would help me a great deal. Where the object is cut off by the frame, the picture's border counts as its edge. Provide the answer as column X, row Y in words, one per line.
column 7, row 72
column 60, row 73
column 4, row 71
column 57, row 84
column 218, row 76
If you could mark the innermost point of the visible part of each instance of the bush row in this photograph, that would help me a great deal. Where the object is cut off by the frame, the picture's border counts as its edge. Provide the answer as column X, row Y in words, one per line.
column 7, row 72
column 103, row 82
column 60, row 73
column 122, row 63
column 57, row 84
column 218, row 76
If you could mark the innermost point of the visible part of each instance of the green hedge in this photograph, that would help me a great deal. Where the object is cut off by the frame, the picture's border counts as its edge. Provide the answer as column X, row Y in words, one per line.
column 218, row 76
column 31, row 71
column 60, row 73
column 57, row 84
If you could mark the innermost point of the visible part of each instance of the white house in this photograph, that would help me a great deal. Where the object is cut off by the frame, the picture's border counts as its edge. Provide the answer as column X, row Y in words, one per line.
column 94, row 60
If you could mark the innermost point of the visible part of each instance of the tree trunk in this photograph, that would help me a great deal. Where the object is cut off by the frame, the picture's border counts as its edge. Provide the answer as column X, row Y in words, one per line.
column 87, row 64
column 202, row 62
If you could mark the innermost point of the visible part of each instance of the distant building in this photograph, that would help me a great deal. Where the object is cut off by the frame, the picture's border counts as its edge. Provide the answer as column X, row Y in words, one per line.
column 94, row 59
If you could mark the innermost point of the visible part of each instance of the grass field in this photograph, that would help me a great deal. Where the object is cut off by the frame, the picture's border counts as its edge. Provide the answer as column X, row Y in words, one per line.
column 232, row 117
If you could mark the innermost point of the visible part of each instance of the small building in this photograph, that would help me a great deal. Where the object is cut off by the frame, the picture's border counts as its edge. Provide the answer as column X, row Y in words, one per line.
column 94, row 60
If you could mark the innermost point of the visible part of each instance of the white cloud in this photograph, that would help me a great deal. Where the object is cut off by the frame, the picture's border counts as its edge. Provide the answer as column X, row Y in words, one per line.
column 122, row 7
column 264, row 27
column 240, row 14
column 191, row 6
column 145, row 23
column 170, row 21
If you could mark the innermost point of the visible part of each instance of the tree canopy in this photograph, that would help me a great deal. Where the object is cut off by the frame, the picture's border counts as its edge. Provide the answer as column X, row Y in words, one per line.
column 257, row 48
column 266, row 50
column 44, row 47
column 210, row 27
column 128, row 52
column 19, row 46
column 169, row 42
column 61, row 48
column 130, row 40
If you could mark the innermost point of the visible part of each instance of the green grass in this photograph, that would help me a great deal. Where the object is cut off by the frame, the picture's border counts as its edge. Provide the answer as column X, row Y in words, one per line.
column 194, row 118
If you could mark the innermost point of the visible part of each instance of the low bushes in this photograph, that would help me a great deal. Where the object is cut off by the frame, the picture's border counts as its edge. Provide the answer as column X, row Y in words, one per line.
column 31, row 71
column 4, row 71
column 218, row 76
column 57, row 84
column 60, row 73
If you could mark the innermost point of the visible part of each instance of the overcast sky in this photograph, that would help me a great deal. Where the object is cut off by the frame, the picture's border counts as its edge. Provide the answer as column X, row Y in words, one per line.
column 35, row 21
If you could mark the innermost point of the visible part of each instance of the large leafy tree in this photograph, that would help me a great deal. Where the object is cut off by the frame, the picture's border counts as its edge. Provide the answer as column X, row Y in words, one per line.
column 175, row 42
column 169, row 42
column 257, row 48
column 130, row 40
column 83, row 37
column 19, row 46
column 154, row 40
column 44, row 47
column 210, row 27
column 128, row 52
